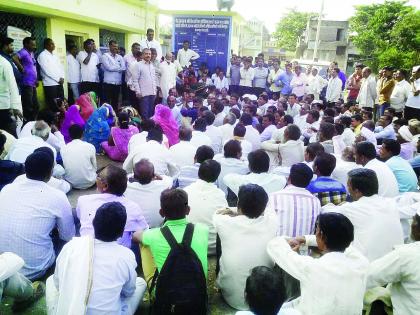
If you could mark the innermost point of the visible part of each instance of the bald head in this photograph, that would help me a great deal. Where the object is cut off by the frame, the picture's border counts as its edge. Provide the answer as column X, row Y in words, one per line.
column 144, row 171
column 168, row 56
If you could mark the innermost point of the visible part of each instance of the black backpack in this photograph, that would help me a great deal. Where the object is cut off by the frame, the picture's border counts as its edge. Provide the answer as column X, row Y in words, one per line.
column 181, row 286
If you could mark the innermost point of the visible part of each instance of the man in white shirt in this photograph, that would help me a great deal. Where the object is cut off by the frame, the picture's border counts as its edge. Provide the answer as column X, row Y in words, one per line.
column 226, row 129
column 385, row 128
column 252, row 134
column 168, row 73
column 334, row 86
column 79, row 159
column 315, row 83
column 23, row 147
column 400, row 92
column 89, row 62
column 341, row 268
column 114, row 66
column 204, row 199
column 217, row 109
column 213, row 132
column 186, row 55
column 52, row 74
column 239, row 134
column 296, row 208
column 150, row 42
column 344, row 165
column 268, row 123
column 199, row 137
column 400, row 268
column 367, row 93
column 293, row 108
column 182, row 153
column 55, row 137
column 348, row 135
column 221, row 82
column 273, row 75
column 252, row 225
column 189, row 174
column 144, row 188
column 29, row 211
column 365, row 155
column 288, row 153
column 73, row 74
column 377, row 229
column 247, row 74
column 131, row 57
column 231, row 162
column 106, row 274
column 259, row 164
column 412, row 109
column 10, row 101
column 154, row 152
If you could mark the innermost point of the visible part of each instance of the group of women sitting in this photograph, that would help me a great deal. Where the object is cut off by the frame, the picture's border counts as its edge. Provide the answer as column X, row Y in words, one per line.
column 111, row 132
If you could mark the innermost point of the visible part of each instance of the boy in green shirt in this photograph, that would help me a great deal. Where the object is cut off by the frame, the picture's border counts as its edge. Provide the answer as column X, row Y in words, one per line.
column 174, row 208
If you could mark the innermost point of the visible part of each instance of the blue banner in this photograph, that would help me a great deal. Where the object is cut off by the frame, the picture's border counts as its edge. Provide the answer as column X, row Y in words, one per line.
column 209, row 36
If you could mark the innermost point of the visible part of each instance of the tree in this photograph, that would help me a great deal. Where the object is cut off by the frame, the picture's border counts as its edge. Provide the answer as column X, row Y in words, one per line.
column 291, row 26
column 387, row 34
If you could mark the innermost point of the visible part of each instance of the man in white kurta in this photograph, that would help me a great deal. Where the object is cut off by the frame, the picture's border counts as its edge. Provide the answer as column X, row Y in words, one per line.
column 204, row 199
column 244, row 236
column 144, row 188
column 377, row 229
column 259, row 164
column 96, row 276
column 168, row 74
column 332, row 284
column 401, row 269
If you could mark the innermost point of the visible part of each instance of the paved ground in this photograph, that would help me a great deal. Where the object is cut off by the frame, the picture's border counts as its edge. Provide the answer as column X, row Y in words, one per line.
column 216, row 303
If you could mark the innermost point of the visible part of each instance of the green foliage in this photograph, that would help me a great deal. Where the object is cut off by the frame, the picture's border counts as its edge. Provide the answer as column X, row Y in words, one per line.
column 291, row 26
column 387, row 34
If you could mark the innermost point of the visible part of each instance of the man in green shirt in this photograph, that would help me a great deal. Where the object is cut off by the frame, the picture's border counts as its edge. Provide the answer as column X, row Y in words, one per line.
column 174, row 208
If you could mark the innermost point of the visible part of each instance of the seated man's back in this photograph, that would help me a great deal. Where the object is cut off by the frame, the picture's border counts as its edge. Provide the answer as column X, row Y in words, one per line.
column 29, row 211
column 296, row 199
column 79, row 159
column 99, row 270
column 205, row 199
column 377, row 227
column 144, row 188
column 244, row 237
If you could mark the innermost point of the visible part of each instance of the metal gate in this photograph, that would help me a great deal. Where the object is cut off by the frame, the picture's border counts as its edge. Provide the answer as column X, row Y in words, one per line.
column 37, row 26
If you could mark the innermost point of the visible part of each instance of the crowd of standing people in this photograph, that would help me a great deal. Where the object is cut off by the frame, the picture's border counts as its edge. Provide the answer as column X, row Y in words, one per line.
column 302, row 182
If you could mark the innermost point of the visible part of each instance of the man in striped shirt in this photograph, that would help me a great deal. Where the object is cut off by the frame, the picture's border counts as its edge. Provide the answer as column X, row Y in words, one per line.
column 296, row 208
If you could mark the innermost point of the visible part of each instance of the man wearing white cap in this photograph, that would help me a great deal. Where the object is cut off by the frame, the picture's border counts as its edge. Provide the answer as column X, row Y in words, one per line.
column 412, row 106
column 400, row 268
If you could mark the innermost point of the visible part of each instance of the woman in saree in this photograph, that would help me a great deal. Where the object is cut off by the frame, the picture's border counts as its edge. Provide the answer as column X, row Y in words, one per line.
column 164, row 118
column 117, row 145
column 71, row 117
column 97, row 129
column 87, row 103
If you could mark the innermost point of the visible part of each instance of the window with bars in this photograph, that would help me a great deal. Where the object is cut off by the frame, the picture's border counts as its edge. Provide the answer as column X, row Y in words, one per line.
column 37, row 26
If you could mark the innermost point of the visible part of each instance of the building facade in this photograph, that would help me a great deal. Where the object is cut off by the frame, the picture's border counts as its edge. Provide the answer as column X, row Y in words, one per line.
column 74, row 21
column 334, row 43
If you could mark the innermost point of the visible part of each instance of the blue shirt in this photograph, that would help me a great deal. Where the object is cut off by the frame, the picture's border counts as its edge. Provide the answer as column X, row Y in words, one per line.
column 284, row 80
column 406, row 177
column 328, row 190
